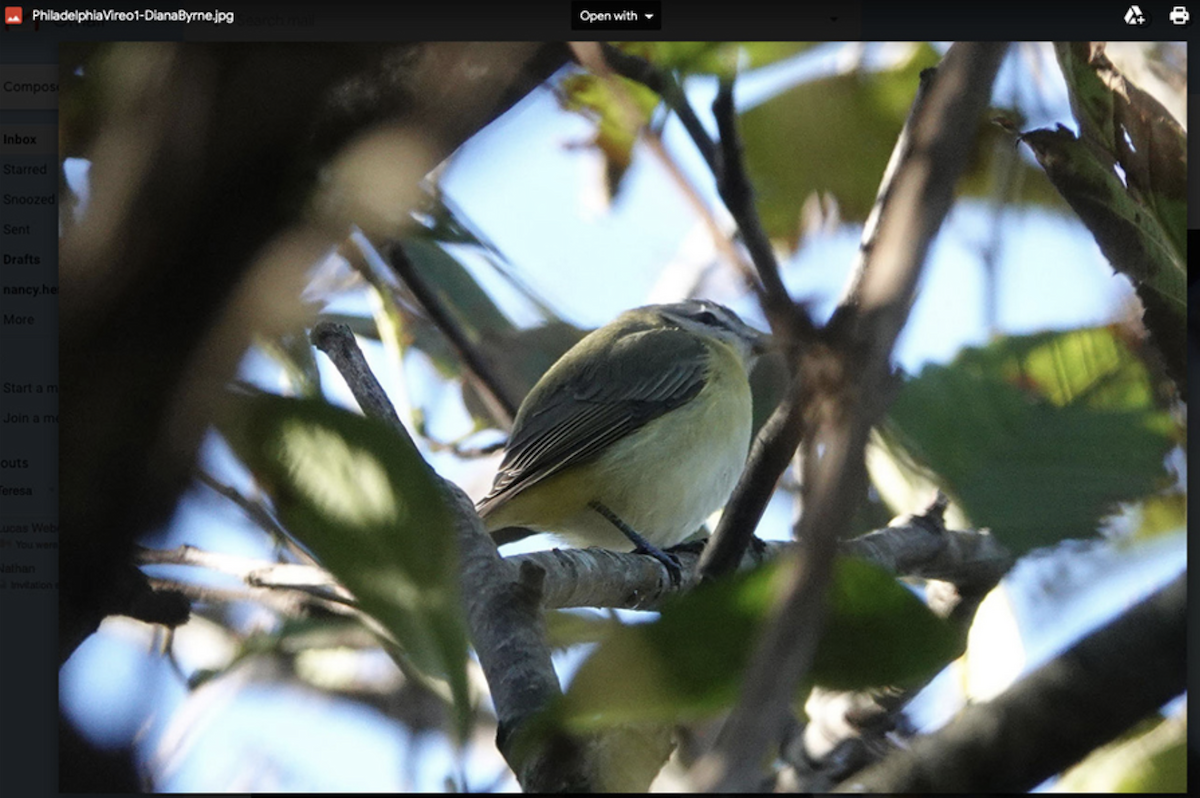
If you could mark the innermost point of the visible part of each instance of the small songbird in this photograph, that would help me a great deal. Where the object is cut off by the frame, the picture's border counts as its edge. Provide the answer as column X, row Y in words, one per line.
column 635, row 436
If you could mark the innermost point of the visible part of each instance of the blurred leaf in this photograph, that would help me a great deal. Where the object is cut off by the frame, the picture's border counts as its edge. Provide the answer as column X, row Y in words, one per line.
column 1161, row 514
column 1152, row 759
column 619, row 108
column 294, row 354
column 565, row 628
column 457, row 290
column 902, row 483
column 688, row 663
column 1037, row 436
column 714, row 58
column 879, row 633
column 364, row 502
column 834, row 134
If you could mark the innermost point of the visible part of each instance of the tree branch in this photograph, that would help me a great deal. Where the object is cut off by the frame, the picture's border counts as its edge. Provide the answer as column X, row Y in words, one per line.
column 780, row 437
column 738, row 195
column 499, row 402
column 593, row 57
column 770, row 454
column 845, row 381
column 664, row 84
column 724, row 159
column 1053, row 717
column 503, row 611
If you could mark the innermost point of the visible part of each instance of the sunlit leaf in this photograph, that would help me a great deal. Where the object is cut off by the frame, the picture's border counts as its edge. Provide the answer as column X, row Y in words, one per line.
column 1038, row 437
column 1126, row 178
column 1152, row 759
column 725, row 59
column 1134, row 128
column 1162, row 514
column 618, row 107
column 1134, row 240
column 364, row 502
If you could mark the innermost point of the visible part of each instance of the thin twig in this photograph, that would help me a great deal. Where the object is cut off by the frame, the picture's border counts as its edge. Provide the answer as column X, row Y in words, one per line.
column 337, row 341
column 500, row 403
column 738, row 196
column 846, row 382
column 727, row 164
column 255, row 511
column 665, row 85
column 769, row 456
column 592, row 57
column 779, row 438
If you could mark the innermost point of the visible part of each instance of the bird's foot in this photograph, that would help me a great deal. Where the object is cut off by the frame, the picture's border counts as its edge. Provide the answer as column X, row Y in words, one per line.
column 641, row 545
column 669, row 561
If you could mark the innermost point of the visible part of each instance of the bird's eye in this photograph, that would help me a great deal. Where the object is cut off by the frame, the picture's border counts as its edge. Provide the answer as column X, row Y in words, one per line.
column 709, row 318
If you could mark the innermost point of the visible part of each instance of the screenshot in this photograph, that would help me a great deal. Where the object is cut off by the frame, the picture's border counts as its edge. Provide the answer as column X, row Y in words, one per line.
column 601, row 396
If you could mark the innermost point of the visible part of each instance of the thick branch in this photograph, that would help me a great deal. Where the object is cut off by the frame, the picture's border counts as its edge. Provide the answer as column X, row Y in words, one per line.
column 502, row 602
column 1056, row 715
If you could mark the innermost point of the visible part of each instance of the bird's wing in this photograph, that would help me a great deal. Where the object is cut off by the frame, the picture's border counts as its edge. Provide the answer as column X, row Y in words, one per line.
column 572, row 420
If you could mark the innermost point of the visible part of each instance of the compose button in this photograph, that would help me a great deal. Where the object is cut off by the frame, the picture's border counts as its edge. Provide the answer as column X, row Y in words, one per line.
column 616, row 15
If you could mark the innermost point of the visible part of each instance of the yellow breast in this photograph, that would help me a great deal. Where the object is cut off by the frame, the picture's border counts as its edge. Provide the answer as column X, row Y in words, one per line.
column 664, row 479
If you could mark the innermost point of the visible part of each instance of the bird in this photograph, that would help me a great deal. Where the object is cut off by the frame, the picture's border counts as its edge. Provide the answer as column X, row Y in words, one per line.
column 634, row 436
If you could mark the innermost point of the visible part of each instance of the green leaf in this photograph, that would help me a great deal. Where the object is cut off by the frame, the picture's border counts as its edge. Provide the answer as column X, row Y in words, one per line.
column 851, row 120
column 517, row 357
column 1134, row 129
column 713, row 58
column 879, row 633
column 834, row 134
column 294, row 354
column 457, row 290
column 1132, row 237
column 1037, row 437
column 688, row 663
column 619, row 108
column 1163, row 514
column 1152, row 759
column 364, row 502
column 1126, row 178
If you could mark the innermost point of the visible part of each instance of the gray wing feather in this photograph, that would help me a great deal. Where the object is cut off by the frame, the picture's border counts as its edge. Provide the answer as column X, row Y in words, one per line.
column 641, row 377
